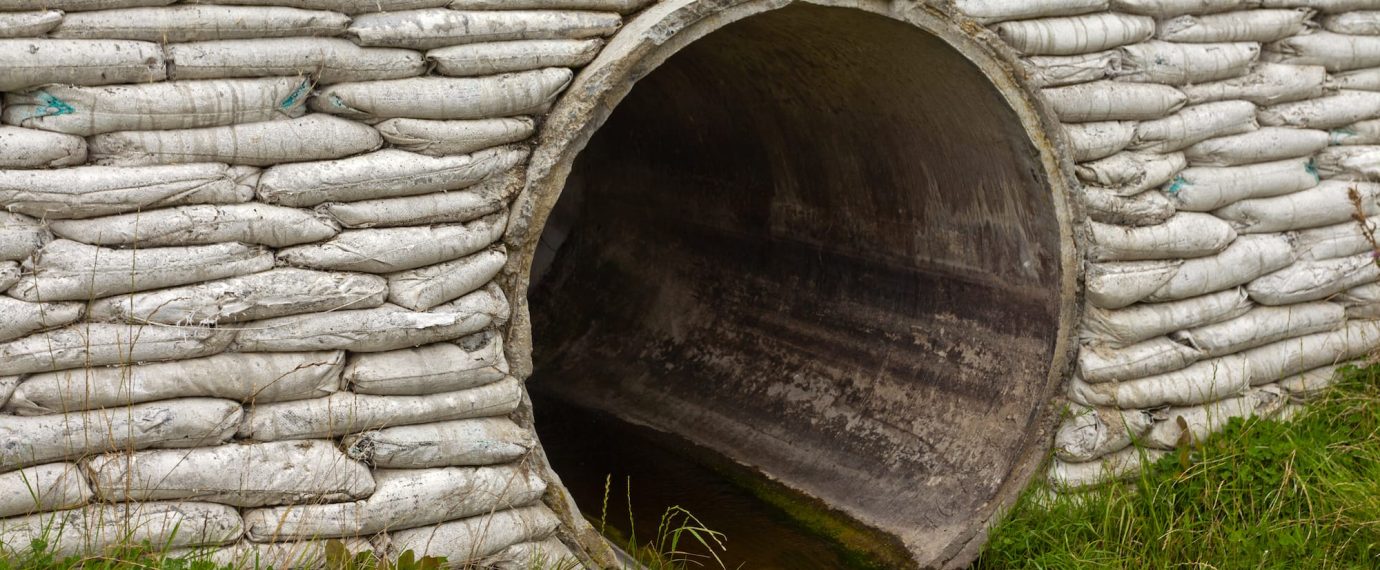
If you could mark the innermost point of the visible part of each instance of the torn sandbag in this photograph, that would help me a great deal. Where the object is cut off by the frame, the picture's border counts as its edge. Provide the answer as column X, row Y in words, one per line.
column 31, row 62
column 1207, row 188
column 69, row 271
column 238, row 474
column 1247, row 258
column 482, row 441
column 97, row 529
column 1101, row 363
column 403, row 498
column 1149, row 208
column 478, row 537
column 1130, row 173
column 1266, row 84
column 254, row 378
column 442, row 138
column 259, row 224
column 472, row 361
column 32, row 148
column 87, row 111
column 1333, row 111
column 1310, row 280
column 19, row 318
column 312, row 137
column 425, row 287
column 1088, row 433
column 325, row 60
column 1057, row 70
column 191, row 422
column 1336, row 52
column 386, row 173
column 1113, row 101
column 1261, row 326
column 1073, row 35
column 275, row 293
column 1091, row 141
column 1202, row 421
column 48, row 487
column 492, row 58
column 1122, row 327
column 1199, row 383
column 1194, row 124
column 102, row 344
column 396, row 249
column 90, row 191
column 445, row 98
column 1263, row 145
column 1118, row 284
column 190, row 23
column 1238, row 26
column 1181, row 64
column 1185, row 235
column 1327, row 203
column 437, row 28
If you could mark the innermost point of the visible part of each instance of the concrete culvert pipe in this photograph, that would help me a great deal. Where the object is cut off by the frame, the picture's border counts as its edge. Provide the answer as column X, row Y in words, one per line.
column 827, row 242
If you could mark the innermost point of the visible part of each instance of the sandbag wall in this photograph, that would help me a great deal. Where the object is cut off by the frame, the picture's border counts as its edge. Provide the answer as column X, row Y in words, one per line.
column 1223, row 148
column 249, row 254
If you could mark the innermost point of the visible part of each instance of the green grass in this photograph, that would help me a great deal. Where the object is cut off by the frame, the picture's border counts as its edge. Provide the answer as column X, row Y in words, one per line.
column 1302, row 494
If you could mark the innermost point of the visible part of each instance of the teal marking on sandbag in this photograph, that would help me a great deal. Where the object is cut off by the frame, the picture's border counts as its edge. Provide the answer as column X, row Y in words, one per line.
column 1336, row 136
column 1312, row 168
column 1177, row 185
column 52, row 106
column 296, row 95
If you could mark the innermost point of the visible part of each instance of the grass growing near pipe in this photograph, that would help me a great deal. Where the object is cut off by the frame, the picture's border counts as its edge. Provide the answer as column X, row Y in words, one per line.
column 1262, row 494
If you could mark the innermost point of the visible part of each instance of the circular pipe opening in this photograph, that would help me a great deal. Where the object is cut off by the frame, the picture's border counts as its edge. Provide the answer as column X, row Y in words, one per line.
column 822, row 242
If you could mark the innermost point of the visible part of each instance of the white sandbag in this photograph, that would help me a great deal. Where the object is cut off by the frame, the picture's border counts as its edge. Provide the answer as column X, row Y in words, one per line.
column 397, row 249
column 246, row 554
column 1122, row 327
column 383, row 174
column 1148, row 208
column 388, row 327
column 1073, row 35
column 90, row 191
column 1167, row 8
column 1340, row 240
column 1360, row 295
column 9, row 274
column 436, row 28
column 445, row 98
column 97, row 529
column 423, row 288
column 1116, row 466
column 1263, row 145
column 478, row 537
column 487, row 197
column 1184, row 235
column 275, row 293
column 1336, row 52
column 313, row 137
column 239, row 475
column 1309, row 280
column 327, row 60
column 69, row 271
column 1056, row 70
column 1324, row 6
column 1263, row 325
column 1360, row 23
column 1205, row 381
column 49, row 487
column 406, row 498
column 30, row 62
column 1360, row 133
column 1248, row 257
column 1195, row 124
column 31, row 148
column 1266, row 84
column 1364, row 80
column 491, row 58
column 1089, row 433
column 620, row 6
column 7, row 386
column 250, row 378
column 344, row 6
column 1206, row 420
column 444, row 367
column 100, row 344
column 1243, row 26
column 1356, row 162
column 192, row 422
column 260, row 224
column 345, row 412
column 1118, row 284
column 442, row 138
column 1329, row 112
column 1325, row 204
column 549, row 553
column 195, row 23
column 79, row 5
column 156, row 106
column 1101, row 363
column 1279, row 360
column 1311, row 384
column 20, row 236
column 992, row 11
column 19, row 318
column 1113, row 101
column 484, row 441
column 28, row 24
column 1091, row 141
column 1131, row 173
column 1180, row 64
column 1207, row 188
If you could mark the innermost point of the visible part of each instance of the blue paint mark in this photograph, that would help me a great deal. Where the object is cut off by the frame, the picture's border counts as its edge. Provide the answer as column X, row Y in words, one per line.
column 51, row 106
column 296, row 95
column 1312, row 168
column 1338, row 135
column 1177, row 185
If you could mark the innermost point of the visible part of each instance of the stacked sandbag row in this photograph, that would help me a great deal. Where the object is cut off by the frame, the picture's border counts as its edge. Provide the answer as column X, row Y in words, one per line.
column 1223, row 148
column 248, row 255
